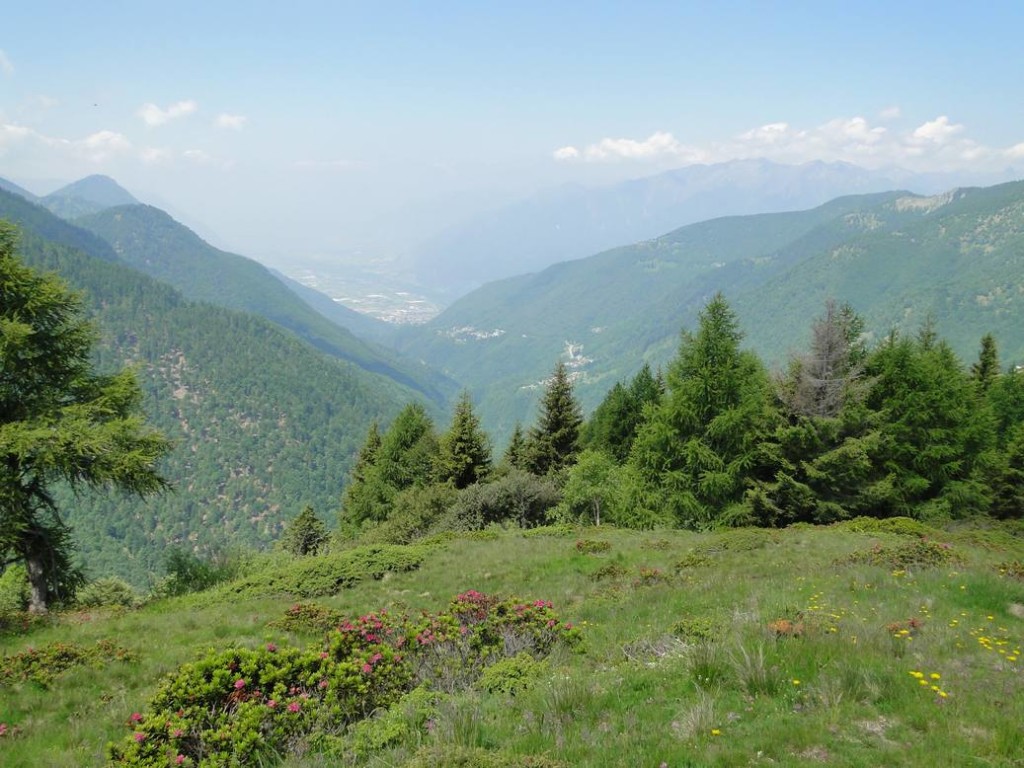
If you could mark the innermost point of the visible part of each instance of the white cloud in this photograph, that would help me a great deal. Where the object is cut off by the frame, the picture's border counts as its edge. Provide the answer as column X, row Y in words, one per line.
column 658, row 145
column 197, row 156
column 5, row 64
column 231, row 122
column 153, row 116
column 890, row 113
column 937, row 131
column 103, row 145
column 935, row 145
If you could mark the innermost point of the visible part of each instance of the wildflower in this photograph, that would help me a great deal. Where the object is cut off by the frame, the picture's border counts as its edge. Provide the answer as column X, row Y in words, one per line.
column 239, row 684
column 271, row 703
column 271, row 647
column 367, row 669
column 139, row 737
column 324, row 654
column 935, row 676
column 179, row 760
column 294, row 706
column 716, row 732
column 916, row 674
column 795, row 681
column 135, row 718
column 323, row 685
column 177, row 733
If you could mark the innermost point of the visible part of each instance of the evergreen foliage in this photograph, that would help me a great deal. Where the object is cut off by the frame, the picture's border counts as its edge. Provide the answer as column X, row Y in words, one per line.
column 515, row 453
column 613, row 426
column 700, row 447
column 554, row 441
column 464, row 451
column 60, row 421
column 305, row 535
column 985, row 371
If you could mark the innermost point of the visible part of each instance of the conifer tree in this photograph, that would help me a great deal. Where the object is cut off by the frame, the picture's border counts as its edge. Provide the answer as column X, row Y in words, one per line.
column 554, row 441
column 613, row 426
column 464, row 451
column 515, row 453
column 985, row 371
column 305, row 535
column 60, row 422
column 699, row 449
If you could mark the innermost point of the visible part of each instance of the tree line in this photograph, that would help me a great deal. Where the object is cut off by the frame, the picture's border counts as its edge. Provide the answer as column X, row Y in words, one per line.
column 896, row 428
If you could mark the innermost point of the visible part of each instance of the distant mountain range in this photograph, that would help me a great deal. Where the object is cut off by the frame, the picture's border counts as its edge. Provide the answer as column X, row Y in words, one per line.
column 895, row 256
column 572, row 222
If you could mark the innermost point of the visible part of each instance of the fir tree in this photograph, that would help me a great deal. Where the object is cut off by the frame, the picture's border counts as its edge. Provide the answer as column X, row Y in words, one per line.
column 985, row 371
column 515, row 453
column 305, row 535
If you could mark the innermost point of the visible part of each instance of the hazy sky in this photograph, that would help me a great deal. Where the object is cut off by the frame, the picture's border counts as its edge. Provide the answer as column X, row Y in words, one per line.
column 290, row 128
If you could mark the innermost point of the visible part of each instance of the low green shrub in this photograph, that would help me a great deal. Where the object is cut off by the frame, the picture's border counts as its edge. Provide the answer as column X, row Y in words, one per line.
column 107, row 593
column 898, row 526
column 326, row 574
column 592, row 546
column 513, row 675
column 42, row 665
column 609, row 571
column 694, row 629
column 922, row 553
column 693, row 560
column 311, row 618
column 738, row 540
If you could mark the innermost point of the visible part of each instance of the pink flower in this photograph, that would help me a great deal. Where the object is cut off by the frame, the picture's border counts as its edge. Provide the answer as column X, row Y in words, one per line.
column 294, row 707
column 139, row 737
column 179, row 760
column 271, row 703
column 367, row 669
column 239, row 684
column 323, row 684
column 324, row 654
column 271, row 647
column 178, row 733
column 135, row 718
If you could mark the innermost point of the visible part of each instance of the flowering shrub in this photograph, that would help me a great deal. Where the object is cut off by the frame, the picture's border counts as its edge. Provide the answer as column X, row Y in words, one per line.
column 239, row 706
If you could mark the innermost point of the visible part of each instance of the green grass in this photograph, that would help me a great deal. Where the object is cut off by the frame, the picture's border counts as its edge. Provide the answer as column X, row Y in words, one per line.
column 686, row 668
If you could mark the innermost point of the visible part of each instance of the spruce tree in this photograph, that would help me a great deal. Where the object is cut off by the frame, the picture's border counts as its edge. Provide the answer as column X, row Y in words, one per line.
column 985, row 371
column 305, row 535
column 464, row 451
column 515, row 453
column 554, row 441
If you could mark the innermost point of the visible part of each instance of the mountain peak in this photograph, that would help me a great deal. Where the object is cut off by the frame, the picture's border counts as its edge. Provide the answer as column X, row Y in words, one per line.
column 97, row 189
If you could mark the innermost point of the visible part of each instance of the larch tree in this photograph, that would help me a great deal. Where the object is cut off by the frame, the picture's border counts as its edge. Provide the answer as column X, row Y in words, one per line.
column 60, row 422
column 699, row 449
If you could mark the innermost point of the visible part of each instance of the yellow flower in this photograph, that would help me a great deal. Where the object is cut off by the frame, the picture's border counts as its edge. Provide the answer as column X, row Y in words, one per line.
column 715, row 732
column 796, row 682
column 917, row 674
column 935, row 676
column 943, row 694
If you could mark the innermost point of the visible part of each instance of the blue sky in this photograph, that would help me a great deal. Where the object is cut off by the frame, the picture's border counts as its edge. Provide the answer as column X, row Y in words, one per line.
column 292, row 128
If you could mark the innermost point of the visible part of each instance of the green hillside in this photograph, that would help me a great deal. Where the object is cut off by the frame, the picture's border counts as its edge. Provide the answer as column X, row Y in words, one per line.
column 896, row 257
column 154, row 243
column 620, row 308
column 262, row 422
column 850, row 645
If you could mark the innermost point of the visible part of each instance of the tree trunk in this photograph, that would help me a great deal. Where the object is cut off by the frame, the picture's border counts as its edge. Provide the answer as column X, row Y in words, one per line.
column 37, row 584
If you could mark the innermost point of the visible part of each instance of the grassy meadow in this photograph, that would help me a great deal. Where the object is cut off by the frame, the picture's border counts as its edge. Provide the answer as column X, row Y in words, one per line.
column 830, row 645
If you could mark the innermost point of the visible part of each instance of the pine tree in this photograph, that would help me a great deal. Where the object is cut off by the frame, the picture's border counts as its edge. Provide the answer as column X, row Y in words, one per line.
column 613, row 426
column 699, row 449
column 554, row 441
column 60, row 422
column 464, row 451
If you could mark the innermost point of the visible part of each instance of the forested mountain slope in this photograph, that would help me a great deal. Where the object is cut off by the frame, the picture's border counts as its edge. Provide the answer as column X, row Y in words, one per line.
column 896, row 257
column 262, row 422
column 153, row 242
